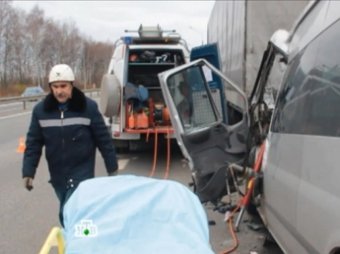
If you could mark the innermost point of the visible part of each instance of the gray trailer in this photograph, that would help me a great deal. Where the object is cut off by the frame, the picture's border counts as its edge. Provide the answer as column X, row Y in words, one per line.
column 242, row 29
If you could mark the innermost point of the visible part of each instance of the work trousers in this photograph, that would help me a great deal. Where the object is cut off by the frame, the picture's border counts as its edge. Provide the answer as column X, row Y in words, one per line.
column 63, row 193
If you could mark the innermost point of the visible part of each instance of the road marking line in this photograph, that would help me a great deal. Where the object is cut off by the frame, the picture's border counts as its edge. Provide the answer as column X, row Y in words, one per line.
column 10, row 104
column 16, row 115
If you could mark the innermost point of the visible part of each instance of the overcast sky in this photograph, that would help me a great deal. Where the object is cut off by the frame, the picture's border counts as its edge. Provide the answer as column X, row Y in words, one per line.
column 107, row 20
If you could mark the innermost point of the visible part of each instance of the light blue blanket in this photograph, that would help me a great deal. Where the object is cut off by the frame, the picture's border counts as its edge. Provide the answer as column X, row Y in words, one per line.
column 131, row 214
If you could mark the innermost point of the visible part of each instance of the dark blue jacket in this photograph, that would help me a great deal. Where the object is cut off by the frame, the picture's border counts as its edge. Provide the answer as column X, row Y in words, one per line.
column 70, row 139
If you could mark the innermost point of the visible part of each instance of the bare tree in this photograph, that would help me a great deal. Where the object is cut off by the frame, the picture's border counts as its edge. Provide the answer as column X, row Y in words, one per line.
column 95, row 60
column 5, row 9
column 30, row 44
column 35, row 22
column 16, row 41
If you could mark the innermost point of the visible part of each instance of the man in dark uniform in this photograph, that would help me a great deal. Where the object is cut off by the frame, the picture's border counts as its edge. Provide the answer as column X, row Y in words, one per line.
column 70, row 127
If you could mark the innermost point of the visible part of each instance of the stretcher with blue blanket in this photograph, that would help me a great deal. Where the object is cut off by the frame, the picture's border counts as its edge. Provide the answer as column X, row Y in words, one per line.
column 132, row 214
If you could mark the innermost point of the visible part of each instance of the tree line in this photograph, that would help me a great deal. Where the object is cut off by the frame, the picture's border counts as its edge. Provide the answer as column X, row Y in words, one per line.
column 31, row 43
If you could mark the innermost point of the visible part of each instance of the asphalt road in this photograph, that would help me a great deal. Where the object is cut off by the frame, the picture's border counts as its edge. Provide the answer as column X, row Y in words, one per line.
column 27, row 217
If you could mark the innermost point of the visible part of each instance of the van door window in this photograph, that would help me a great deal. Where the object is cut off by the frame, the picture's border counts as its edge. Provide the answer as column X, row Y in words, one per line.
column 310, row 100
column 191, row 98
column 291, row 101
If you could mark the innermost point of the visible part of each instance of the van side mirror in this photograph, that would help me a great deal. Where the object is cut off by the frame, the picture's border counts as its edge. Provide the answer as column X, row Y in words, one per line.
column 280, row 42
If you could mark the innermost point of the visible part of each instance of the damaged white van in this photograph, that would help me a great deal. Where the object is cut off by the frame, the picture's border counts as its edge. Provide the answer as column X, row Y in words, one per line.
column 297, row 192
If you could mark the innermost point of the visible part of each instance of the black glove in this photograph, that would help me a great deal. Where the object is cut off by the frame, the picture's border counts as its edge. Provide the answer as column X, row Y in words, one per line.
column 28, row 183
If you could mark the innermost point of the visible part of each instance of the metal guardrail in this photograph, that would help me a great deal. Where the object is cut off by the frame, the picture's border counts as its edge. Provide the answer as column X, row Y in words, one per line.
column 25, row 99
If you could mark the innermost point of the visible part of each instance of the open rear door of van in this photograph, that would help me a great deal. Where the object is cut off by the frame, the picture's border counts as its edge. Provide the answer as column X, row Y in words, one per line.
column 209, row 144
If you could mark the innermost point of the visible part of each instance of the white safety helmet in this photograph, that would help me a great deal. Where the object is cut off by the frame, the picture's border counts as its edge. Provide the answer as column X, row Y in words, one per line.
column 61, row 72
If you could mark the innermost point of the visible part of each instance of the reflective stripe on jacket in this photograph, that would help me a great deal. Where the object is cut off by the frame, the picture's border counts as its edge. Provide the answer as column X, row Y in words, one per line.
column 70, row 138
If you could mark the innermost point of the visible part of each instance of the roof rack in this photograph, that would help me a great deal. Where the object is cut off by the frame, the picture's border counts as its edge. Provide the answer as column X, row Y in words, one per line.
column 151, row 35
column 150, row 31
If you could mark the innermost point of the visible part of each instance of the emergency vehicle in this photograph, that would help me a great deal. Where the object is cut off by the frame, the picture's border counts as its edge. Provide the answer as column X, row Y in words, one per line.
column 131, row 97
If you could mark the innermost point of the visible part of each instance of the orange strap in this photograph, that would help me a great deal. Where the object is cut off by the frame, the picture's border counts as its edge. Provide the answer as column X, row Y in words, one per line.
column 244, row 201
column 167, row 170
column 229, row 220
column 154, row 155
column 147, row 135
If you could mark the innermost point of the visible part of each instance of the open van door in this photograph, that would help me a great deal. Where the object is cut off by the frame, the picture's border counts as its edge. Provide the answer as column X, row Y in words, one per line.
column 209, row 144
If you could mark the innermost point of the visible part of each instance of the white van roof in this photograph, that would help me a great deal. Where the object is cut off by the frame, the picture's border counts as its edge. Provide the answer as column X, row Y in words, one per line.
column 316, row 17
column 151, row 35
column 155, row 46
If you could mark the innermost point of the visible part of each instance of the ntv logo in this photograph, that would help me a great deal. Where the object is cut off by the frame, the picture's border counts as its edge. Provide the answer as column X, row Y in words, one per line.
column 86, row 228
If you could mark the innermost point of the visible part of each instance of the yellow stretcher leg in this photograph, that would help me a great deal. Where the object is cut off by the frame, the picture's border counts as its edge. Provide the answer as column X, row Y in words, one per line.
column 55, row 239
